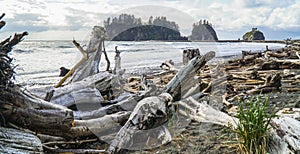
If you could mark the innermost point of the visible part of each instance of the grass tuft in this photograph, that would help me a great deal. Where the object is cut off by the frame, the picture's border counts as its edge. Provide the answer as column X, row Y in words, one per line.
column 252, row 129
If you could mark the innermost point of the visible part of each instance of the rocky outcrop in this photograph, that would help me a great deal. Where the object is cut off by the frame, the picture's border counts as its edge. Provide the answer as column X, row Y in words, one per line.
column 115, row 26
column 254, row 34
column 148, row 32
column 203, row 31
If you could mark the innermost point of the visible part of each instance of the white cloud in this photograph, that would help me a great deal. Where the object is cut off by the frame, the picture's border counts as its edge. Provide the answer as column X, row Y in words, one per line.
column 80, row 15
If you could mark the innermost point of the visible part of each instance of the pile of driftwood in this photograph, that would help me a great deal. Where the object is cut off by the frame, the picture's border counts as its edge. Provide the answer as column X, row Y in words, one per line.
column 94, row 106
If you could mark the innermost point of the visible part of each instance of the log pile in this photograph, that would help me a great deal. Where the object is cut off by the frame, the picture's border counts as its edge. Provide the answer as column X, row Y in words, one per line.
column 97, row 106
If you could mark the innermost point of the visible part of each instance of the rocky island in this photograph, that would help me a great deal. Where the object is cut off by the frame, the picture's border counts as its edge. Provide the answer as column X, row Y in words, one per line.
column 129, row 28
column 203, row 31
column 149, row 32
column 254, row 34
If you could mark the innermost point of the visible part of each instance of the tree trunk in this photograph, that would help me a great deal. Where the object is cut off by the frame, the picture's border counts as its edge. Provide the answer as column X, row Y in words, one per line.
column 91, row 87
column 94, row 51
column 180, row 84
column 149, row 113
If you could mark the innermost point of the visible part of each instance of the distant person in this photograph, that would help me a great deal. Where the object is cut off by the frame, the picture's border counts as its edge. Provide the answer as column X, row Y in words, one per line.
column 63, row 71
column 117, row 61
column 267, row 48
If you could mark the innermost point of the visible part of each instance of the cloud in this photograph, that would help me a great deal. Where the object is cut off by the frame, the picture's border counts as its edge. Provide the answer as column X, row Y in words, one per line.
column 263, row 3
column 228, row 17
column 26, row 22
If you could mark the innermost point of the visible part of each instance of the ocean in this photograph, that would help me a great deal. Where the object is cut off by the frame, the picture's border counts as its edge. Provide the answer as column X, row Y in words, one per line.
column 38, row 62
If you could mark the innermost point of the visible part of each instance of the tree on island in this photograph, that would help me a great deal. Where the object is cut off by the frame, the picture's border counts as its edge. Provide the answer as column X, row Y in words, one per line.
column 120, row 24
column 163, row 22
column 117, row 25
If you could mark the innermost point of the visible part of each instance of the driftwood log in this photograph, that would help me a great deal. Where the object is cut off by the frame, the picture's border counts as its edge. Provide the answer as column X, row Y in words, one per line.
column 134, row 118
column 152, row 112
column 17, row 141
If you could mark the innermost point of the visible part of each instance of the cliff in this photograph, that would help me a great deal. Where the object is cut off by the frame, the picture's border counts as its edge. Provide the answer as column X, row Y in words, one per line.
column 148, row 32
column 203, row 31
column 254, row 34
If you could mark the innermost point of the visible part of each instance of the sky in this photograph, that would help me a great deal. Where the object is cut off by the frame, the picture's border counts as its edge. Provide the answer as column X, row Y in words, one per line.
column 68, row 19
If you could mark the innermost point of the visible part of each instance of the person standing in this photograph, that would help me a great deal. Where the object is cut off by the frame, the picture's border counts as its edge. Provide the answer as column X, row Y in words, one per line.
column 117, row 61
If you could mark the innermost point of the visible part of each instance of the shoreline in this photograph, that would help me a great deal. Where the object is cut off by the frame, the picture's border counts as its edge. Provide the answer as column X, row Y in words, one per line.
column 229, row 41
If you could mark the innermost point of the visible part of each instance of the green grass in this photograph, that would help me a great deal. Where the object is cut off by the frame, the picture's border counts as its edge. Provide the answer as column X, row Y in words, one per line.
column 252, row 128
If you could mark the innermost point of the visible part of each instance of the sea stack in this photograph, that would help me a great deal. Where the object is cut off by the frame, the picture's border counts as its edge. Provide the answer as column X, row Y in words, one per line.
column 203, row 31
column 254, row 34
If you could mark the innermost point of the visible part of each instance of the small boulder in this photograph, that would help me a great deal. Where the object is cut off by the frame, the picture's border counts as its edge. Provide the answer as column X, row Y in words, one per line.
column 272, row 65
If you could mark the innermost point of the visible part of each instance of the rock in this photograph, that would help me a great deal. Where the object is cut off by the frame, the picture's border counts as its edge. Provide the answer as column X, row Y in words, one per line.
column 272, row 65
column 203, row 31
column 148, row 32
column 253, row 35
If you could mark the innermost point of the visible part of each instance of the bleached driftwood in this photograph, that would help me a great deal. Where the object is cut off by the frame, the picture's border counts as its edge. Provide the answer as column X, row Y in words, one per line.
column 286, row 135
column 93, row 51
column 89, row 63
column 202, row 112
column 82, row 60
column 88, row 90
column 98, row 126
column 152, row 112
column 16, row 141
column 149, row 113
column 127, row 104
column 181, row 82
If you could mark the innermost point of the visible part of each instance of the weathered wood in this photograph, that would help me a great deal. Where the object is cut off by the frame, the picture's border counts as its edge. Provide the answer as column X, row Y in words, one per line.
column 202, row 112
column 88, row 90
column 288, row 129
column 106, row 57
column 59, row 150
column 127, row 104
column 16, row 141
column 2, row 15
column 175, row 86
column 154, row 111
column 82, row 60
column 99, row 126
column 149, row 113
column 272, row 83
column 216, row 82
column 48, row 138
column 52, row 122
column 21, row 98
column 94, row 50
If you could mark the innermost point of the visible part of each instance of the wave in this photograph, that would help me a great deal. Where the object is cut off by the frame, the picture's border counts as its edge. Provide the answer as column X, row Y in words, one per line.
column 22, row 51
column 44, row 46
column 39, row 72
column 64, row 46
column 132, row 50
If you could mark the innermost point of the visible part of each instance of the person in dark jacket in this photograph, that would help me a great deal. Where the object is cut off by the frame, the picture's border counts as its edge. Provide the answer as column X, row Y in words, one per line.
column 63, row 71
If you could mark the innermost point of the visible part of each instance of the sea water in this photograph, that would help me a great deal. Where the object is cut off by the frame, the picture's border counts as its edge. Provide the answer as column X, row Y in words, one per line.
column 38, row 62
